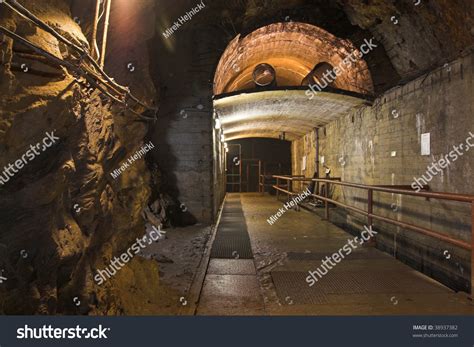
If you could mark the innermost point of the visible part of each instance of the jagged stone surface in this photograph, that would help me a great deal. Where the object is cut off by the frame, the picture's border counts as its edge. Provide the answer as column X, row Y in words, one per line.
column 38, row 206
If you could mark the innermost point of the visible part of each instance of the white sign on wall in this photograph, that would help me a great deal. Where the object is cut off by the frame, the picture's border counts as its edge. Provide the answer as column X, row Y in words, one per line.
column 425, row 144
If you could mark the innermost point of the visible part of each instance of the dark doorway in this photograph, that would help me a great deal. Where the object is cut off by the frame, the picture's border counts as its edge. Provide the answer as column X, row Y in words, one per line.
column 250, row 163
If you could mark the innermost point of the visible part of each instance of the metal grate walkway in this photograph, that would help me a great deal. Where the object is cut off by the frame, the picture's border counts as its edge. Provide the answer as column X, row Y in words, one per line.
column 232, row 239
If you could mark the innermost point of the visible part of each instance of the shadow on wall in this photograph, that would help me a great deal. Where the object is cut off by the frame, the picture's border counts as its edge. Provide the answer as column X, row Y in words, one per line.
column 163, row 201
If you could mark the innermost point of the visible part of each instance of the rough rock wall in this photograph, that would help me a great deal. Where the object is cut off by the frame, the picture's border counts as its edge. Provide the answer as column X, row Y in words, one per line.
column 62, row 216
column 418, row 35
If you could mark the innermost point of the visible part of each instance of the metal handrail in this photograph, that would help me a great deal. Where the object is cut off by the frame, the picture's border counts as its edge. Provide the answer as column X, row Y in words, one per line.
column 369, row 213
column 434, row 195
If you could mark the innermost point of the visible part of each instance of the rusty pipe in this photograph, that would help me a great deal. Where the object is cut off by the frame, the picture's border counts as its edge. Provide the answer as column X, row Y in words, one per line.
column 105, row 32
column 93, row 43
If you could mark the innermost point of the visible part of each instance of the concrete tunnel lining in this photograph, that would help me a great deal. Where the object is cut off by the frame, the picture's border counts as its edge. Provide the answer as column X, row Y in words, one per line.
column 269, row 113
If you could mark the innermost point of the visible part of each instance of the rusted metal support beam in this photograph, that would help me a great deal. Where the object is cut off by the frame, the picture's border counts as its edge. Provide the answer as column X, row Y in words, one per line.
column 370, row 195
column 290, row 189
column 472, row 250
column 326, row 202
column 278, row 185
column 370, row 207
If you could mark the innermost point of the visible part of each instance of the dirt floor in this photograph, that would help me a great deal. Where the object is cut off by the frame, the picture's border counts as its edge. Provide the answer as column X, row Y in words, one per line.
column 179, row 256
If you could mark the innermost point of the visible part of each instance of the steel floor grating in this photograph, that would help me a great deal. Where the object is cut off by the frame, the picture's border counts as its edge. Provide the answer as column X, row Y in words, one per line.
column 293, row 284
column 292, row 289
column 232, row 239
column 228, row 247
column 321, row 255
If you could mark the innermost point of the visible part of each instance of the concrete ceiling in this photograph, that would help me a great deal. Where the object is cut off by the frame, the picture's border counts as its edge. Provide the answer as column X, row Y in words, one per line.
column 269, row 113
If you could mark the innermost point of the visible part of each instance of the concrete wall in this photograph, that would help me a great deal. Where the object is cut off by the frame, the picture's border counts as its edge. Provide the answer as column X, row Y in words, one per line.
column 185, row 158
column 361, row 148
column 219, row 170
column 185, row 132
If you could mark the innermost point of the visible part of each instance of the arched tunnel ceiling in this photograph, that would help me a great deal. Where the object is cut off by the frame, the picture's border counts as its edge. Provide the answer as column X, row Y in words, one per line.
column 425, row 36
column 269, row 113
column 293, row 49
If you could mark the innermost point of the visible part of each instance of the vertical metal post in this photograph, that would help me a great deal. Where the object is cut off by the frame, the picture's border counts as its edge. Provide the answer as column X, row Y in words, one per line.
column 316, row 186
column 278, row 185
column 290, row 188
column 326, row 203
column 370, row 209
column 370, row 196
column 240, row 168
column 316, row 135
column 472, row 250
column 247, row 176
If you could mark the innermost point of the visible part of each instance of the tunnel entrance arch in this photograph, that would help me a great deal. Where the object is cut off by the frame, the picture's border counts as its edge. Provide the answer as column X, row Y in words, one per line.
column 263, row 88
column 264, row 84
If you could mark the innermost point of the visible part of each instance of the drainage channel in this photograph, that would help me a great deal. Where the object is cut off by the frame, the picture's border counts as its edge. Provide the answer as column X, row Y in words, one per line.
column 232, row 239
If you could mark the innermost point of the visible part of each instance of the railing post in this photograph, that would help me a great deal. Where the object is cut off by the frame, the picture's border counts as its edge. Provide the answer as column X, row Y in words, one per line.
column 278, row 185
column 326, row 203
column 370, row 209
column 290, row 188
column 370, row 195
column 472, row 250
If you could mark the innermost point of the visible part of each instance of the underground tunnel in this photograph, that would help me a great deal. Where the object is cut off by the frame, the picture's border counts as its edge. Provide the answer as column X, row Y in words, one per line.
column 234, row 158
